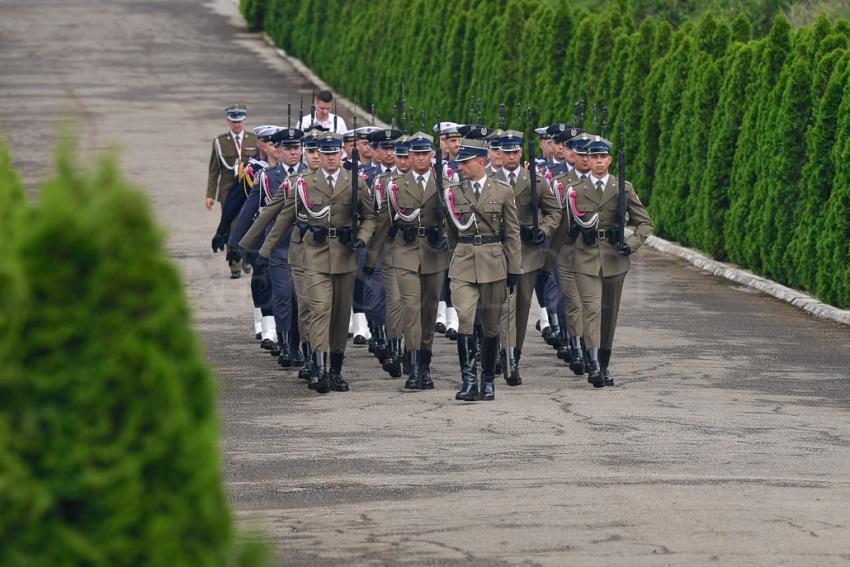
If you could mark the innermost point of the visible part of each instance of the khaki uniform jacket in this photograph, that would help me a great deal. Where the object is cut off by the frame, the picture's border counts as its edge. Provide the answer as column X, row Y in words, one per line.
column 225, row 166
column 548, row 215
column 381, row 247
column 484, row 263
column 330, row 256
column 602, row 258
column 561, row 247
column 420, row 255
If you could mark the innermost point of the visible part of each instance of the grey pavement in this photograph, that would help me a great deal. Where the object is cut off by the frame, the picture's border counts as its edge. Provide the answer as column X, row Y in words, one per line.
column 726, row 440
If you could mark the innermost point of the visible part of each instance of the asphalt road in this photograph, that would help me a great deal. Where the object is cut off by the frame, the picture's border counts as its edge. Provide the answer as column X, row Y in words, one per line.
column 727, row 439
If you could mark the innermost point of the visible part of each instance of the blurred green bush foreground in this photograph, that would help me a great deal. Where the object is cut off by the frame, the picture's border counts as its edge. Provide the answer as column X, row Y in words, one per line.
column 108, row 428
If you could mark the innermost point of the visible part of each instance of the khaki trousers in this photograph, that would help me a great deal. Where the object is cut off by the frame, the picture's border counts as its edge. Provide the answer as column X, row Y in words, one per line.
column 419, row 295
column 299, row 280
column 331, row 296
column 514, row 319
column 575, row 324
column 600, row 304
column 487, row 298
column 395, row 329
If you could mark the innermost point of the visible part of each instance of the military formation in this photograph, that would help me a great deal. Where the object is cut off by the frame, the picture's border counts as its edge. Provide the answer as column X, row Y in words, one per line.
column 389, row 237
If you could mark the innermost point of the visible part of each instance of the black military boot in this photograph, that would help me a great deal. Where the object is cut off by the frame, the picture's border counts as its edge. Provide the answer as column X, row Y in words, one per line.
column 338, row 383
column 296, row 359
column 405, row 362
column 554, row 339
column 501, row 362
column 381, row 345
column 373, row 338
column 469, row 388
column 604, row 359
column 576, row 356
column 414, row 381
column 512, row 376
column 489, row 350
column 388, row 360
column 307, row 369
column 320, row 380
column 594, row 373
column 564, row 352
column 276, row 347
column 393, row 363
column 283, row 357
column 425, row 370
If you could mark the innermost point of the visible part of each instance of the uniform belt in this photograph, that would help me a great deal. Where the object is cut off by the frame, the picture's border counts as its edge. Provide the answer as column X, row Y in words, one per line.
column 322, row 232
column 480, row 239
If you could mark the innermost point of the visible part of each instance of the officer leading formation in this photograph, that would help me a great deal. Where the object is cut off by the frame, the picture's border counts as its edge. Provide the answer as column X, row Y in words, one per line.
column 392, row 237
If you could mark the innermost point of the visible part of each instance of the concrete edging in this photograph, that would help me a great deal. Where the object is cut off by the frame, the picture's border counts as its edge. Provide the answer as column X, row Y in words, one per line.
column 798, row 299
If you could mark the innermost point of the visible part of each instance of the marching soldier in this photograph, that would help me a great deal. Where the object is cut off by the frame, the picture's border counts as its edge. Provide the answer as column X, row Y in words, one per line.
column 418, row 255
column 229, row 152
column 381, row 249
column 483, row 233
column 600, row 261
column 449, row 144
column 515, row 314
column 333, row 237
column 562, row 248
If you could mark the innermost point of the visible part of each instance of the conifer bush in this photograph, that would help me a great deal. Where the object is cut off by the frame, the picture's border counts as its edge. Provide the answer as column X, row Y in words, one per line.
column 731, row 119
column 108, row 427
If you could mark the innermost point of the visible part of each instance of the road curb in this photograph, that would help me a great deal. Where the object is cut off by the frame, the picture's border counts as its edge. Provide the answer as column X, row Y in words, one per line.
column 797, row 298
column 313, row 78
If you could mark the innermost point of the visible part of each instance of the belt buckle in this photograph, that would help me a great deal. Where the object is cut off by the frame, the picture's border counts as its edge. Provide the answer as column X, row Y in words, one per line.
column 476, row 240
column 601, row 234
column 421, row 231
column 331, row 232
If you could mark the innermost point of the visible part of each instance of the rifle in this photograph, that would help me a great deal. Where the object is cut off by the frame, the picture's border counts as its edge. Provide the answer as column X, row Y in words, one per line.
column 355, row 178
column 604, row 121
column 313, row 109
column 621, row 190
column 334, row 116
column 438, row 179
column 403, row 111
column 578, row 113
column 289, row 116
column 595, row 118
column 533, row 171
column 501, row 115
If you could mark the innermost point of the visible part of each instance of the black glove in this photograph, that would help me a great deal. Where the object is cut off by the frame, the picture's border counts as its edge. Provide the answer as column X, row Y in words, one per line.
column 261, row 263
column 369, row 270
column 624, row 249
column 357, row 244
column 442, row 244
column 218, row 242
column 538, row 236
column 512, row 280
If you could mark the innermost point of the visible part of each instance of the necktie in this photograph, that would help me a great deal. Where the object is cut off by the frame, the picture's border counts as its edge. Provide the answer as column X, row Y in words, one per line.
column 599, row 185
column 512, row 179
column 421, row 181
column 583, row 176
column 291, row 170
column 238, row 141
column 331, row 181
column 477, row 188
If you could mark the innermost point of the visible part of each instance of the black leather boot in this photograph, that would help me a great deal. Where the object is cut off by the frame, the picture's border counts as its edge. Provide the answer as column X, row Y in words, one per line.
column 386, row 364
column 373, row 338
column 489, row 350
column 594, row 373
column 413, row 381
column 576, row 356
column 381, row 345
column 276, row 347
column 604, row 359
column 512, row 376
column 338, row 383
column 394, row 362
column 307, row 368
column 296, row 360
column 501, row 362
column 469, row 388
column 320, row 379
column 554, row 339
column 425, row 370
column 283, row 357
column 405, row 362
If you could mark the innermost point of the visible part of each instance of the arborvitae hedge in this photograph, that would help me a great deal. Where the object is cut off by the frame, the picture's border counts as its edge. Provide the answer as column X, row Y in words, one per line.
column 108, row 429
column 737, row 145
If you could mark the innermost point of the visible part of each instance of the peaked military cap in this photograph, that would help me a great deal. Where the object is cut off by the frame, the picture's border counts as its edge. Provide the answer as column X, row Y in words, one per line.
column 287, row 137
column 568, row 134
column 447, row 129
column 385, row 138
column 401, row 148
column 236, row 112
column 363, row 132
column 266, row 131
column 421, row 142
column 542, row 133
column 471, row 148
column 511, row 141
column 474, row 131
column 330, row 142
column 599, row 146
column 349, row 136
column 311, row 138
column 579, row 143
column 560, row 129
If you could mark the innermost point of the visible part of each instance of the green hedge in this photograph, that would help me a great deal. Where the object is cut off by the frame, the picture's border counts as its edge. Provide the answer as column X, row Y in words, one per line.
column 108, row 429
column 737, row 144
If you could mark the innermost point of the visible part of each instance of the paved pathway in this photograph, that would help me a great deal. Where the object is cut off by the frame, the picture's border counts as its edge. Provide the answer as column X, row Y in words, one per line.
column 727, row 439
